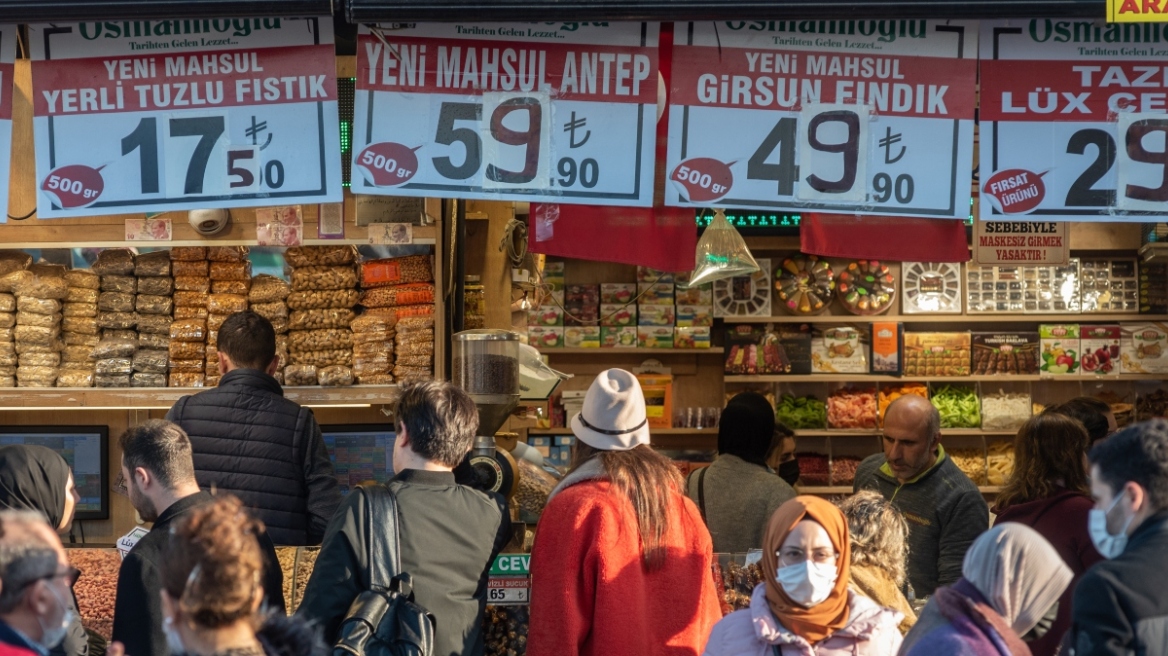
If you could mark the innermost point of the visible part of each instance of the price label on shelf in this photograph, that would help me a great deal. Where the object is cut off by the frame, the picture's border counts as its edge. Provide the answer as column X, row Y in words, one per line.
column 526, row 112
column 860, row 117
column 1074, row 115
column 510, row 581
column 7, row 64
column 139, row 116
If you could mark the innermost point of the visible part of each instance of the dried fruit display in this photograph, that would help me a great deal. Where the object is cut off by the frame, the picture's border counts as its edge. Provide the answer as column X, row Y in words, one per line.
column 850, row 407
column 96, row 589
column 505, row 631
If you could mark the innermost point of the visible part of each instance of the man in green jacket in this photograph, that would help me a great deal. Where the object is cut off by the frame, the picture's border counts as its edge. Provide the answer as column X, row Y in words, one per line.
column 944, row 509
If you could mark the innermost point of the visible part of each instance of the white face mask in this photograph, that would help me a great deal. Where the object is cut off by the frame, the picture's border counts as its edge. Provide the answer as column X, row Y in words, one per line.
column 807, row 584
column 1110, row 546
column 55, row 635
column 173, row 640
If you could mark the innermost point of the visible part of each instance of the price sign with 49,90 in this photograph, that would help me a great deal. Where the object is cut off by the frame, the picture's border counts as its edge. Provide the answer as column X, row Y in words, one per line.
column 250, row 123
column 864, row 117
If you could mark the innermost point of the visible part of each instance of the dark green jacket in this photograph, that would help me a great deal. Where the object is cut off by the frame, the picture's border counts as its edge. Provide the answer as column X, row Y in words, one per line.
column 945, row 512
column 450, row 535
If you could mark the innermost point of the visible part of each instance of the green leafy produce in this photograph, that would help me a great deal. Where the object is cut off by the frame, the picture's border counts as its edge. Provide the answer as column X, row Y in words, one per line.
column 800, row 412
column 959, row 407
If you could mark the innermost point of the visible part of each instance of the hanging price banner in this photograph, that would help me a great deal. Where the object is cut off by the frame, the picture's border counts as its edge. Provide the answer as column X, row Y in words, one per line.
column 527, row 112
column 863, row 117
column 1074, row 116
column 7, row 63
column 140, row 116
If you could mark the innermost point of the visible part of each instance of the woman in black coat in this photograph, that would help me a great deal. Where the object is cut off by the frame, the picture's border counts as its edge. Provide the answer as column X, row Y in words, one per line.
column 38, row 478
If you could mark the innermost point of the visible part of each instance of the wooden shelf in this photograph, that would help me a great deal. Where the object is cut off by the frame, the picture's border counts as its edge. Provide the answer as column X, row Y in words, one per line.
column 877, row 378
column 847, row 489
column 947, row 432
column 953, row 318
column 652, row 431
column 147, row 398
column 716, row 350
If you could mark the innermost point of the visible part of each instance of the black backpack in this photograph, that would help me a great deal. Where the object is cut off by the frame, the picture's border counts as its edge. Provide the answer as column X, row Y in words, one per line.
column 384, row 620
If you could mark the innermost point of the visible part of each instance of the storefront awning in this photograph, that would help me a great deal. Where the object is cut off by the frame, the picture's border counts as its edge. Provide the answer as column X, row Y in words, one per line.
column 40, row 11
column 366, row 11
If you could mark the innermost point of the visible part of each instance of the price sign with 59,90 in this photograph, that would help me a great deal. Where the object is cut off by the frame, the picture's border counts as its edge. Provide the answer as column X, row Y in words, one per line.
column 147, row 116
column 1074, row 118
column 558, row 112
column 850, row 116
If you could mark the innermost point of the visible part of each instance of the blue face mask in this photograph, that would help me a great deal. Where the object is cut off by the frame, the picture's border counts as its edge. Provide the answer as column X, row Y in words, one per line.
column 1109, row 546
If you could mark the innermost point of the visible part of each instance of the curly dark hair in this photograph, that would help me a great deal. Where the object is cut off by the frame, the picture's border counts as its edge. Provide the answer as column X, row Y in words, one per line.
column 1048, row 455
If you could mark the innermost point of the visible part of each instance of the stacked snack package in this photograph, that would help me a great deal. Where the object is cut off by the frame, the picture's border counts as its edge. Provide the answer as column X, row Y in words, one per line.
column 38, row 325
column 155, row 305
column 373, row 337
column 320, row 341
column 79, row 328
column 402, row 289
column 230, row 274
column 116, row 314
column 187, row 346
column 115, row 361
column 268, row 298
column 12, row 271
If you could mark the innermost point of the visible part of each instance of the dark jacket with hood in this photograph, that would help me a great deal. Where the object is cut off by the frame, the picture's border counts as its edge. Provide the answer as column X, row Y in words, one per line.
column 1120, row 605
column 250, row 441
column 281, row 635
column 138, row 607
column 1062, row 520
column 35, row 478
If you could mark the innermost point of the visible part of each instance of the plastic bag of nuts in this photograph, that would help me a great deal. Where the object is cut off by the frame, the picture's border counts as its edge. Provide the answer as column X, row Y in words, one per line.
column 114, row 380
column 40, row 360
column 192, row 269
column 374, row 337
column 271, row 311
column 151, row 362
column 375, row 379
column 77, row 353
column 319, row 340
column 190, row 299
column 300, row 374
column 188, row 330
column 154, row 341
column 231, row 270
column 268, row 289
column 335, row 376
column 364, row 371
column 80, row 325
column 131, row 335
column 317, row 319
column 372, row 322
column 11, row 261
column 410, row 294
column 30, row 319
column 79, row 339
column 80, row 295
column 52, row 346
column 226, row 304
column 158, row 324
column 215, row 321
column 161, row 286
column 114, row 262
column 7, row 303
column 36, row 335
column 83, row 279
column 7, row 320
column 146, row 304
column 186, row 380
column 319, row 299
column 80, row 310
column 187, row 312
column 152, row 264
column 114, row 347
column 187, row 350
column 123, row 284
column 143, row 379
column 186, row 366
column 231, row 287
column 303, row 256
column 188, row 253
column 115, row 302
column 117, row 320
column 114, row 367
column 227, row 253
column 35, row 305
column 75, row 378
column 324, row 358
column 396, row 271
column 323, row 278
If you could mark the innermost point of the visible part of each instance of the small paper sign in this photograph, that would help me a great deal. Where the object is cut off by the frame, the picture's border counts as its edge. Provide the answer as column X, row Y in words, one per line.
column 279, row 226
column 330, row 223
column 391, row 233
column 148, row 230
column 126, row 542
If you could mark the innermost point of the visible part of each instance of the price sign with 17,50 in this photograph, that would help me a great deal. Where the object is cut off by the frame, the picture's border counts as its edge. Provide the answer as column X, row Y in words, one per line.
column 879, row 122
column 1089, row 142
column 507, row 112
column 251, row 125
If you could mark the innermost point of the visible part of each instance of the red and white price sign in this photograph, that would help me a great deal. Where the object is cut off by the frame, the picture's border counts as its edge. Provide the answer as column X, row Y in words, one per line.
column 7, row 62
column 1074, row 115
column 557, row 112
column 864, row 116
column 151, row 116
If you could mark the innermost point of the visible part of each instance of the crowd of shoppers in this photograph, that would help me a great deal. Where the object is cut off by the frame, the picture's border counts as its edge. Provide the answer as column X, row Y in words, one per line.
column 623, row 556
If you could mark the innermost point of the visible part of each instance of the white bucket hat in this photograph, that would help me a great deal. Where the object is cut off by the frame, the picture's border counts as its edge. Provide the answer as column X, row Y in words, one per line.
column 613, row 417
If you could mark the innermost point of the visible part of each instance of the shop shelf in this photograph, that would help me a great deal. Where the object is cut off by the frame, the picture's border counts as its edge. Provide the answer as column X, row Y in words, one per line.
column 953, row 318
column 145, row 398
column 843, row 432
column 877, row 378
column 652, row 431
column 716, row 350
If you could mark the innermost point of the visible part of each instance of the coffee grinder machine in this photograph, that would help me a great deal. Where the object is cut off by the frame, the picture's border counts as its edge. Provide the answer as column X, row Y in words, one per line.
column 485, row 365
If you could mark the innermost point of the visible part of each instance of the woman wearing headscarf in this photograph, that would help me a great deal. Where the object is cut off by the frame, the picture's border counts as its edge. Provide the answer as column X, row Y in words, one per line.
column 1007, row 597
column 803, row 607
column 38, row 478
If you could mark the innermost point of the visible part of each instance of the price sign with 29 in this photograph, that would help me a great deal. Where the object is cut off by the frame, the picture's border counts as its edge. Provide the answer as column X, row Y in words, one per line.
column 224, row 137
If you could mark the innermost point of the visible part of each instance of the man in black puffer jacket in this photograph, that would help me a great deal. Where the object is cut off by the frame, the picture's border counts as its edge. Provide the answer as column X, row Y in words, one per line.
column 252, row 442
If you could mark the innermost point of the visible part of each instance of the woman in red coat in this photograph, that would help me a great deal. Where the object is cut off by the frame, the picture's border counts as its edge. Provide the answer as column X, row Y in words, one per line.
column 621, row 562
column 1048, row 492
